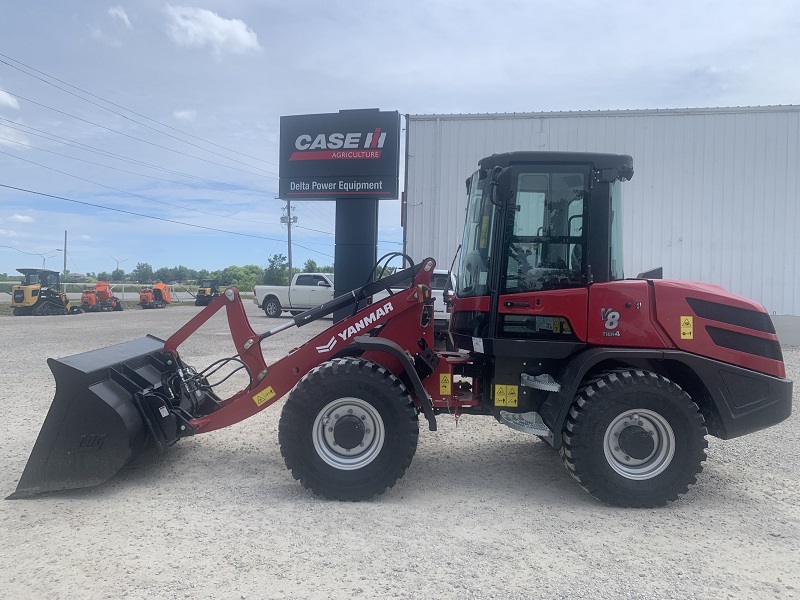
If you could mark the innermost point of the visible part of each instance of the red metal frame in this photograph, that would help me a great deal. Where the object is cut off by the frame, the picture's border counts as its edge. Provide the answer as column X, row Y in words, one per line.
column 401, row 314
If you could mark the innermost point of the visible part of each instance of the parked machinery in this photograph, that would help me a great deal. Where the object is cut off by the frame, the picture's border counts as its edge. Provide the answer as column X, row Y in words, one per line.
column 100, row 298
column 40, row 294
column 156, row 296
column 206, row 291
column 623, row 377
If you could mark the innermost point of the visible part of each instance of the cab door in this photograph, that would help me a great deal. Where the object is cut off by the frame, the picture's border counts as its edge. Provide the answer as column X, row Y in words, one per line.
column 543, row 279
column 301, row 292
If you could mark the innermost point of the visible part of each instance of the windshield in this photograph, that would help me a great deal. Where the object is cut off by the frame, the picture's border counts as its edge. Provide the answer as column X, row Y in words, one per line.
column 473, row 271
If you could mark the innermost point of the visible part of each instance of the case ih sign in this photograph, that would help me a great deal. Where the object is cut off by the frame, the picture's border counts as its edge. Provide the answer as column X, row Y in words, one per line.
column 349, row 154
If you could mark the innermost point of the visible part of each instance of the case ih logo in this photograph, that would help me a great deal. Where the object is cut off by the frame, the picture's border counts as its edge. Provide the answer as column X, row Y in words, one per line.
column 339, row 146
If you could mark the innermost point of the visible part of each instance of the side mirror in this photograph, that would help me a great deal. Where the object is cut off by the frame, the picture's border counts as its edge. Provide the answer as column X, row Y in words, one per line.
column 324, row 284
column 448, row 297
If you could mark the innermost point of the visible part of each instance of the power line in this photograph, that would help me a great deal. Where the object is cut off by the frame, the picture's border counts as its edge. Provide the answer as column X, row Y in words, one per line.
column 128, row 212
column 124, row 171
column 27, row 129
column 126, row 109
column 197, row 210
column 329, row 233
column 133, row 137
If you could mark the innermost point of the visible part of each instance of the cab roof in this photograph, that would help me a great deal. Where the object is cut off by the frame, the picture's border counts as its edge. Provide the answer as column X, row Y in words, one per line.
column 37, row 272
column 613, row 166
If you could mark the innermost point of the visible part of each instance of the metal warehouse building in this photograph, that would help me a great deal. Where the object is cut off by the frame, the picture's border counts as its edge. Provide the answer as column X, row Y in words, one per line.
column 714, row 196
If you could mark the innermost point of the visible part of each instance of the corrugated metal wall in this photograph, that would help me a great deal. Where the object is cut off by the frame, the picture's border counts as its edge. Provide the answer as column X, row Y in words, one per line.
column 714, row 196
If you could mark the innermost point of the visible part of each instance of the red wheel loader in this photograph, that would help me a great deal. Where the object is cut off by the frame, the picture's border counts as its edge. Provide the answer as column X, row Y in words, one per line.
column 625, row 378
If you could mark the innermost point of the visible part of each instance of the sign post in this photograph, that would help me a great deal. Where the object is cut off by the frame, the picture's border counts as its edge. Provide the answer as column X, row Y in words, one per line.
column 352, row 157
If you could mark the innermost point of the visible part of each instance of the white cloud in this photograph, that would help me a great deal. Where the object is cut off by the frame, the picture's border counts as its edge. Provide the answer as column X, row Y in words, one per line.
column 22, row 218
column 185, row 115
column 119, row 13
column 85, row 237
column 7, row 99
column 197, row 27
column 101, row 36
column 7, row 233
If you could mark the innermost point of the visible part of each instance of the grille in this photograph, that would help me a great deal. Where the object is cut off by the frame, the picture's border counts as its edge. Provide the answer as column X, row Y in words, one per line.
column 745, row 343
column 19, row 296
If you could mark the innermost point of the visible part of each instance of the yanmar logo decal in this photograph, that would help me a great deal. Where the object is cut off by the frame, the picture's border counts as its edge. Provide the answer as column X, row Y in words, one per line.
column 364, row 323
column 339, row 146
column 327, row 347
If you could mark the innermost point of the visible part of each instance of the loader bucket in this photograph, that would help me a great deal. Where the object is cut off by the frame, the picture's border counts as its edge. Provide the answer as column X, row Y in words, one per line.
column 97, row 422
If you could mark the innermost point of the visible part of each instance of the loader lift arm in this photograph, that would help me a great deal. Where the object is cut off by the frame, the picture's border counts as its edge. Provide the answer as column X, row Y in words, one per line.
column 406, row 311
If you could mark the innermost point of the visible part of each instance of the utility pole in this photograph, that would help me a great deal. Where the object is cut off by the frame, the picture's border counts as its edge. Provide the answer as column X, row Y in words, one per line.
column 65, row 260
column 289, row 219
column 289, row 228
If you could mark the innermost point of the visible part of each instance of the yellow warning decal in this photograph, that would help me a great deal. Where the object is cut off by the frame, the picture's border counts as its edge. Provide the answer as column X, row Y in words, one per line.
column 264, row 395
column 506, row 395
column 687, row 328
column 444, row 384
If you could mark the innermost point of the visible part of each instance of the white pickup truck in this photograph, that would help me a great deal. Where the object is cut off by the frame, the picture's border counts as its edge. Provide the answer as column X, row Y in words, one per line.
column 307, row 290
column 441, row 312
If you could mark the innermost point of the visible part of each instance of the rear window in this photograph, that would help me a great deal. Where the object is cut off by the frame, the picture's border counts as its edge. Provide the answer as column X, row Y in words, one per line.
column 439, row 281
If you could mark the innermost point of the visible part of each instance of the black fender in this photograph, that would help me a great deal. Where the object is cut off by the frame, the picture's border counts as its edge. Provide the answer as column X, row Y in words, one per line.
column 378, row 344
column 555, row 408
column 742, row 400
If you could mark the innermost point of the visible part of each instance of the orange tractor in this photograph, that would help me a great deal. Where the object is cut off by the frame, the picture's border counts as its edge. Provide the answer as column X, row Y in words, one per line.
column 100, row 298
column 156, row 296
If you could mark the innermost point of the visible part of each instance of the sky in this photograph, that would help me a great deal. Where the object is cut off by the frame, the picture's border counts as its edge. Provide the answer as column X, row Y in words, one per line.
column 149, row 130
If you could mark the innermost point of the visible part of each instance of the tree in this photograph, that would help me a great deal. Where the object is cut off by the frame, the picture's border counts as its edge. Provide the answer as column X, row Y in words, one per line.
column 143, row 273
column 310, row 266
column 244, row 278
column 104, row 276
column 277, row 271
column 163, row 274
column 181, row 274
column 118, row 275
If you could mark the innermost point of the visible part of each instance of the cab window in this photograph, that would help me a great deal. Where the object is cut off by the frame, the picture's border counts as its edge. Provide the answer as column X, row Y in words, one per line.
column 545, row 233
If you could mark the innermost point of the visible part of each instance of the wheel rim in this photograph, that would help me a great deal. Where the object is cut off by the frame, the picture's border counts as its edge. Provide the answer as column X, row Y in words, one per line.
column 348, row 422
column 628, row 449
column 272, row 309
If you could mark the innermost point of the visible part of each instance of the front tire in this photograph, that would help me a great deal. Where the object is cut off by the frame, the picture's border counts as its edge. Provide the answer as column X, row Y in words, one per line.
column 348, row 430
column 272, row 308
column 634, row 439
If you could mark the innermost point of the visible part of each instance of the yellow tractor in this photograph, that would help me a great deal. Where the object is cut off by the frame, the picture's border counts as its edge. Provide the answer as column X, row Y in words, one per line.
column 40, row 294
column 206, row 292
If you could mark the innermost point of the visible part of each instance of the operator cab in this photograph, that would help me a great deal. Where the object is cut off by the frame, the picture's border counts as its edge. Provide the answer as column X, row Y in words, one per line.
column 43, row 277
column 536, row 222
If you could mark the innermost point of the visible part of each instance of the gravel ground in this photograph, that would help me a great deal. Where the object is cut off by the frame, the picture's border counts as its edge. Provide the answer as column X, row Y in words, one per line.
column 483, row 512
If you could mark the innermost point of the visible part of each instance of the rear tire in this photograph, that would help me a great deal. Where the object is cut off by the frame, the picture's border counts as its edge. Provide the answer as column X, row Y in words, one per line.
column 348, row 430
column 272, row 308
column 634, row 439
